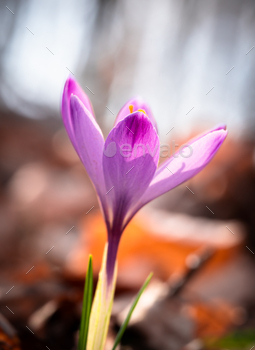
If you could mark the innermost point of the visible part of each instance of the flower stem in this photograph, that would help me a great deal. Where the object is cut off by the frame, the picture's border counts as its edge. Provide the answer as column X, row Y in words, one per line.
column 113, row 244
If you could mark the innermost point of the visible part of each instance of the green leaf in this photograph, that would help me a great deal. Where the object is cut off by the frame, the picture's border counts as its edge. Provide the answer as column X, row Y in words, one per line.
column 125, row 323
column 101, row 308
column 86, row 306
column 239, row 339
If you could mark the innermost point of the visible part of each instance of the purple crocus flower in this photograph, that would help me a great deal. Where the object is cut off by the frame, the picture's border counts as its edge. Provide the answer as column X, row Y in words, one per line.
column 124, row 167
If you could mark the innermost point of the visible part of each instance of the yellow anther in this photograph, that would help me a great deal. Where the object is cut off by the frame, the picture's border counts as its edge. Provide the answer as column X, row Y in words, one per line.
column 142, row 110
column 131, row 108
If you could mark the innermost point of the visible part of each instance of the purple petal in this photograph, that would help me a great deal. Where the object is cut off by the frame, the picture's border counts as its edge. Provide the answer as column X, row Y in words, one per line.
column 136, row 103
column 129, row 171
column 129, row 162
column 72, row 88
column 90, row 144
column 179, row 169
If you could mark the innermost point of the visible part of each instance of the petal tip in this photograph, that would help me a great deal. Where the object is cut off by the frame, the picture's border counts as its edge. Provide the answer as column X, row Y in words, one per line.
column 77, row 105
column 223, row 129
column 72, row 87
column 220, row 127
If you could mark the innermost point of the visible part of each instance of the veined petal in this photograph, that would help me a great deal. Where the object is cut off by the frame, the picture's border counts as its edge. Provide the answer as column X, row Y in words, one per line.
column 129, row 170
column 89, row 143
column 72, row 88
column 181, row 167
column 136, row 103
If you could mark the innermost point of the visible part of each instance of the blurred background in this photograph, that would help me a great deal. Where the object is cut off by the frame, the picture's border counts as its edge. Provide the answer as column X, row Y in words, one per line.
column 193, row 61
